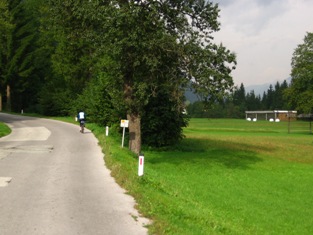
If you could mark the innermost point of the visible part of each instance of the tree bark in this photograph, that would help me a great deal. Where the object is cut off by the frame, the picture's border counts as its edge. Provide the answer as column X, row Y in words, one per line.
column 8, row 105
column 134, row 132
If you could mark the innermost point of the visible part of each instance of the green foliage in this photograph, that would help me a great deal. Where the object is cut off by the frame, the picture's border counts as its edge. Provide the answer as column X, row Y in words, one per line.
column 150, row 44
column 5, row 29
column 112, row 58
column 300, row 93
column 56, row 99
column 196, row 110
column 99, row 103
column 163, row 121
column 21, row 70
column 253, row 102
column 239, row 97
column 210, row 68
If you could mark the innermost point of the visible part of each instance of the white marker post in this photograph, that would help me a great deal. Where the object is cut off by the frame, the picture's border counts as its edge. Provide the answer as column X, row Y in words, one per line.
column 124, row 124
column 140, row 165
column 107, row 131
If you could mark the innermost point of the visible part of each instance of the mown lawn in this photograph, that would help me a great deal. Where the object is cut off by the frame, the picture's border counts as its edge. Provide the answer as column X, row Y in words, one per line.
column 225, row 177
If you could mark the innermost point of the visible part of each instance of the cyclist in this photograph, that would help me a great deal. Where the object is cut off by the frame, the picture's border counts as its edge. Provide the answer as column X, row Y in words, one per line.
column 81, row 117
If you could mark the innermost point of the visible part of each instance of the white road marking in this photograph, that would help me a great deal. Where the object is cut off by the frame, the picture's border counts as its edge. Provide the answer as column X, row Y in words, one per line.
column 4, row 181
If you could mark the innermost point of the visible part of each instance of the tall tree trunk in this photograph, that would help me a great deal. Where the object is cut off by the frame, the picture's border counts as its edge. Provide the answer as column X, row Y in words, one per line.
column 8, row 105
column 134, row 132
column 0, row 101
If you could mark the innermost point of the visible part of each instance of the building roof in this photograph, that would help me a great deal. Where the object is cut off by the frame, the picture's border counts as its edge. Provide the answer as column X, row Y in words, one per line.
column 270, row 111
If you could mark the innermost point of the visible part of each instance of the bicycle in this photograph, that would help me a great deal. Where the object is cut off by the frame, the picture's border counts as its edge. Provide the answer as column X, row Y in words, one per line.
column 82, row 125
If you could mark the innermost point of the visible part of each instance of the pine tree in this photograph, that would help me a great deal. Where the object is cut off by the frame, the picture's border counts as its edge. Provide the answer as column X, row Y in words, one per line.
column 19, row 65
column 5, row 30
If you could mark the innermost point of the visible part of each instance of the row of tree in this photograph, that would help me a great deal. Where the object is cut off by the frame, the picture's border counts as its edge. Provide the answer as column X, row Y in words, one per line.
column 236, row 103
column 114, row 59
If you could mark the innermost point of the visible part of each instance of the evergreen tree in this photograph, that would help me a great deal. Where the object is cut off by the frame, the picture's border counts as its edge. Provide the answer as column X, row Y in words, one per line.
column 253, row 102
column 270, row 98
column 239, row 99
column 264, row 101
column 5, row 30
column 283, row 87
column 20, row 76
column 279, row 100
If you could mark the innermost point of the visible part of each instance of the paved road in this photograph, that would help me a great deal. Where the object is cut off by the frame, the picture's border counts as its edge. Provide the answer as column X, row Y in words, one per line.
column 53, row 181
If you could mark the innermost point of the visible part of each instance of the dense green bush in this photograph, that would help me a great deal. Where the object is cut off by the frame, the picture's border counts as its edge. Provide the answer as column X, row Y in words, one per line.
column 56, row 99
column 163, row 121
column 98, row 103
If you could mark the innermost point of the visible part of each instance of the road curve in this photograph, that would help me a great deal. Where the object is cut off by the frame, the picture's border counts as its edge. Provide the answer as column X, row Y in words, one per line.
column 53, row 181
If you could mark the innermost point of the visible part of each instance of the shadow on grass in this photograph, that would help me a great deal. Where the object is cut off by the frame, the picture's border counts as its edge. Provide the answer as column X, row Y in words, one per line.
column 208, row 152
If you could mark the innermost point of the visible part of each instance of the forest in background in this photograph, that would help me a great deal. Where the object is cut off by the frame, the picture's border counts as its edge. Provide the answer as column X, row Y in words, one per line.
column 237, row 102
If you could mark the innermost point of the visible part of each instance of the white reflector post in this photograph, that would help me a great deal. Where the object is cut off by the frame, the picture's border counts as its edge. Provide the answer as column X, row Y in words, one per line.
column 140, row 165
column 107, row 131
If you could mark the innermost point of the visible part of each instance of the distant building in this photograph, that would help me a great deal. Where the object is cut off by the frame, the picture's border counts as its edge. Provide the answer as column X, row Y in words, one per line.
column 280, row 115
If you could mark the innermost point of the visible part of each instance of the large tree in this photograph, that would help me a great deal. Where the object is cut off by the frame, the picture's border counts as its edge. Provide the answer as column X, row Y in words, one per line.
column 300, row 92
column 5, row 31
column 20, row 64
column 151, row 45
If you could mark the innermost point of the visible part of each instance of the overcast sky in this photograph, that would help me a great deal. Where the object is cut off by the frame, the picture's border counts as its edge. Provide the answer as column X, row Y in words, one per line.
column 264, row 35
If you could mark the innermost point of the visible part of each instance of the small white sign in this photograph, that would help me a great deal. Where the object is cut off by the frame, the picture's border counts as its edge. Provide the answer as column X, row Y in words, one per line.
column 124, row 123
column 140, row 165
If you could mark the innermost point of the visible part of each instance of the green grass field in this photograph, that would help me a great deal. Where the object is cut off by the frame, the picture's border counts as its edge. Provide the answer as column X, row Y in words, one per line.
column 226, row 177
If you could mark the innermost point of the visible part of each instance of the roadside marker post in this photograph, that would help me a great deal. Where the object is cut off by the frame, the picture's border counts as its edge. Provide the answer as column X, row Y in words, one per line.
column 124, row 124
column 106, row 131
column 140, row 165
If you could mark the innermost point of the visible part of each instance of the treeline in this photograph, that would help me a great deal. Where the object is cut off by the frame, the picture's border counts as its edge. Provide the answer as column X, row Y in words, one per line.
column 236, row 103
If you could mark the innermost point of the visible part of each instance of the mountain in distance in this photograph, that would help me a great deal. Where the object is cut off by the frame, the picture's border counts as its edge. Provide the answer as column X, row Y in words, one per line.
column 259, row 89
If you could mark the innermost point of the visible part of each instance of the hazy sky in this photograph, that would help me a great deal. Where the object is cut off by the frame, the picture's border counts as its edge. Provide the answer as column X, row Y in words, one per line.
column 264, row 35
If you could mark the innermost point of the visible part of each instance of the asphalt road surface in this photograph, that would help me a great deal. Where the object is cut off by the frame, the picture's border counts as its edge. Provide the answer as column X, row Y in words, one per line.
column 53, row 181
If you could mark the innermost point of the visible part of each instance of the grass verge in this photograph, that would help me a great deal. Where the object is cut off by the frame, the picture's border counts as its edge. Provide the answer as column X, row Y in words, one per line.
column 4, row 130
